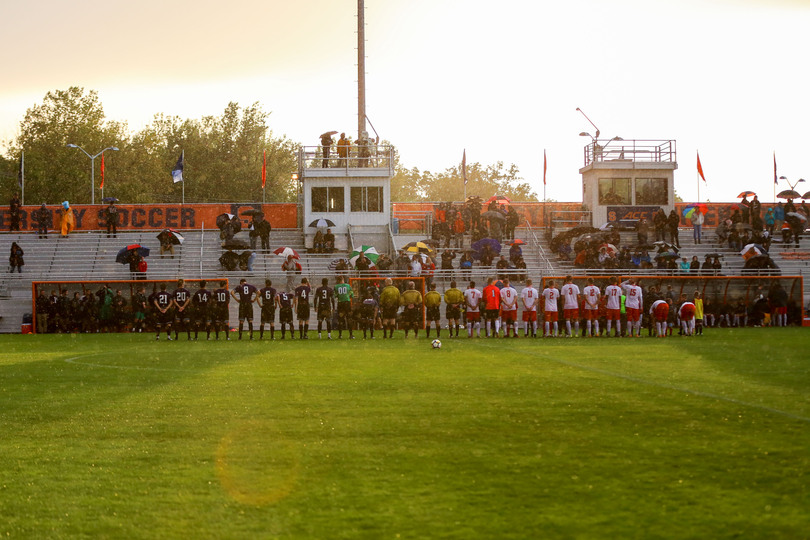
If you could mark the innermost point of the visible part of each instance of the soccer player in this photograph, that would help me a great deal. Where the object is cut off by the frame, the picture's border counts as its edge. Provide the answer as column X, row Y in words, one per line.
column 472, row 299
column 529, row 297
column 324, row 305
column 267, row 303
column 509, row 298
column 633, row 303
column 592, row 295
column 550, row 309
column 369, row 312
column 571, row 296
column 613, row 293
column 659, row 311
column 245, row 294
column 284, row 301
column 182, row 318
column 163, row 303
column 411, row 299
column 389, row 302
column 139, row 309
column 453, row 298
column 302, row 293
column 222, row 297
column 202, row 311
column 699, row 314
column 686, row 313
column 492, row 308
column 344, row 294
column 433, row 301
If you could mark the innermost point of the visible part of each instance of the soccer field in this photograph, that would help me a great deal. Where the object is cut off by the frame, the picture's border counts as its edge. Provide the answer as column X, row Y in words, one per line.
column 119, row 436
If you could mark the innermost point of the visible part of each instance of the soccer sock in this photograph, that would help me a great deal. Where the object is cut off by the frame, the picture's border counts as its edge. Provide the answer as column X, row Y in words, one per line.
column 469, row 329
column 546, row 328
column 438, row 330
column 588, row 328
column 250, row 328
column 497, row 327
column 618, row 328
column 428, row 330
column 556, row 329
column 261, row 331
column 609, row 326
column 567, row 327
column 241, row 327
column 478, row 328
column 306, row 329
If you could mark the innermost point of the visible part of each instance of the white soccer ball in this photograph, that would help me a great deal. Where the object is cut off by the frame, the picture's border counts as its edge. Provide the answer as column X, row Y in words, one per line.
column 436, row 344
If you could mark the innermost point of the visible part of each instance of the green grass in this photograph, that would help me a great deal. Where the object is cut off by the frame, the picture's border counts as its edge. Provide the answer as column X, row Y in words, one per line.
column 118, row 436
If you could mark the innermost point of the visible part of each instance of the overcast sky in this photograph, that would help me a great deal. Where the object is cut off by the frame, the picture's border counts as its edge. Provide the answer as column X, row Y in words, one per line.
column 728, row 78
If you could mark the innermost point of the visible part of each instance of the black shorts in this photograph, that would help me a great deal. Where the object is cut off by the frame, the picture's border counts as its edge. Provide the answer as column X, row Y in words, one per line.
column 389, row 312
column 452, row 312
column 432, row 313
column 285, row 315
column 492, row 314
column 268, row 315
column 245, row 311
column 202, row 314
column 344, row 309
column 324, row 313
column 303, row 312
column 411, row 315
column 164, row 318
column 182, row 316
column 221, row 313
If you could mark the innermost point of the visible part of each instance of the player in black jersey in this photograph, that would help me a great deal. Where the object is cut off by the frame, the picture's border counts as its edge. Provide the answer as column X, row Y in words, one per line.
column 222, row 297
column 324, row 305
column 302, row 294
column 284, row 301
column 245, row 294
column 201, row 312
column 267, row 301
column 163, row 316
column 182, row 313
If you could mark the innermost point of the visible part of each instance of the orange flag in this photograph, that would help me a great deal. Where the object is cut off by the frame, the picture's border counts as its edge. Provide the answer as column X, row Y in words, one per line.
column 700, row 168
column 545, row 166
column 101, row 186
column 264, row 167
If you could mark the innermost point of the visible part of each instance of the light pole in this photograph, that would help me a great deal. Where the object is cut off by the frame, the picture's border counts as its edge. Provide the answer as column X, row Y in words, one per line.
column 92, row 168
column 793, row 185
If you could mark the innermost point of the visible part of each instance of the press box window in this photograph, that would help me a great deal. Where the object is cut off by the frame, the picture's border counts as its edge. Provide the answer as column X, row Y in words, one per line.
column 614, row 191
column 652, row 191
column 367, row 199
column 327, row 199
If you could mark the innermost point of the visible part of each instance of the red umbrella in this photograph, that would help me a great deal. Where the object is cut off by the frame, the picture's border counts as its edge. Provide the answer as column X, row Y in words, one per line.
column 499, row 199
column 285, row 252
column 517, row 242
column 746, row 194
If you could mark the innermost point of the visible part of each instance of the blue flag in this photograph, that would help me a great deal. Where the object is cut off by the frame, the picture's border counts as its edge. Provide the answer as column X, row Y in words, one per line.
column 177, row 172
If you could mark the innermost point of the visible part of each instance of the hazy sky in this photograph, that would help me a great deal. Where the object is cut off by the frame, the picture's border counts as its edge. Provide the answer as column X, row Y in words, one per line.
column 502, row 79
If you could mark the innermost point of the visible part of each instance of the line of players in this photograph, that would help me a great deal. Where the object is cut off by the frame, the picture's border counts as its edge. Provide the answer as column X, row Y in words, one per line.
column 497, row 305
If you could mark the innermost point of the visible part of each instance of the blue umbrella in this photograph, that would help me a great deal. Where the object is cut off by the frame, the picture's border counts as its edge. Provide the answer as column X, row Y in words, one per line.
column 478, row 246
column 124, row 254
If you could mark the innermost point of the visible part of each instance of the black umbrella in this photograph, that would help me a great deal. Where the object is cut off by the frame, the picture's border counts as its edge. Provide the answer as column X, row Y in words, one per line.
column 493, row 215
column 171, row 235
column 124, row 254
column 806, row 195
column 235, row 243
column 229, row 260
column 789, row 194
column 322, row 222
column 109, row 199
column 253, row 212
column 224, row 219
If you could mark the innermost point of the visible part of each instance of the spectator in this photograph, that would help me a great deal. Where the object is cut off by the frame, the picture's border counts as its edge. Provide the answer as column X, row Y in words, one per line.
column 343, row 146
column 660, row 224
column 14, row 213
column 697, row 225
column 673, row 221
column 318, row 243
column 111, row 219
column 458, row 230
column 15, row 259
column 778, row 217
column 514, row 252
column 329, row 241
column 770, row 221
column 42, row 216
column 166, row 245
column 756, row 209
column 68, row 219
column 512, row 220
column 643, row 229
column 746, row 210
column 694, row 266
column 502, row 265
column 326, row 144
column 291, row 268
column 684, row 266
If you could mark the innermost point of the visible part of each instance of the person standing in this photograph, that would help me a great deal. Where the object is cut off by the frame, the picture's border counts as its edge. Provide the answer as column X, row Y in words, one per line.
column 509, row 298
column 291, row 268
column 245, row 294
column 301, row 302
column 411, row 300
column 138, row 306
column 267, row 303
column 472, row 300
column 42, row 217
column 433, row 301
column 697, row 225
column 343, row 146
column 660, row 224
column 14, row 213
column 592, row 295
column 222, row 298
column 492, row 306
column 673, row 221
column 571, row 297
column 68, row 219
column 529, row 297
column 111, row 218
column 164, row 317
column 550, row 309
column 389, row 304
column 344, row 295
column 201, row 312
column 633, row 303
column 15, row 258
column 453, row 299
column 326, row 145
column 325, row 305
column 613, row 293
column 182, row 312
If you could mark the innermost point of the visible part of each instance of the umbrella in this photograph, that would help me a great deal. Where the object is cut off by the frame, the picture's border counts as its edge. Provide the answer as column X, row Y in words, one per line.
column 517, row 242
column 369, row 251
column 431, row 242
column 124, row 253
column 66, row 205
column 746, row 194
column 109, row 199
column 321, row 223
column 328, row 133
column 609, row 247
column 235, row 243
column 478, row 246
column 472, row 198
column 607, row 226
column 690, row 209
column 806, row 195
column 751, row 250
column 333, row 264
column 499, row 199
column 789, row 194
column 223, row 220
column 171, row 235
column 797, row 215
column 253, row 212
column 285, row 252
column 667, row 255
column 493, row 215
column 417, row 247
column 229, row 260
column 665, row 246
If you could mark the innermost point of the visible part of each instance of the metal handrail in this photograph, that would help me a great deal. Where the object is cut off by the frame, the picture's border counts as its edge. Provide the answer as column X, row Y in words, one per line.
column 662, row 151
column 541, row 253
column 380, row 157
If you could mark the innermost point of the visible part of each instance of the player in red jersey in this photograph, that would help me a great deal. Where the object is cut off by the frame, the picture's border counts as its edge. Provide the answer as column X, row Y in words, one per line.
column 686, row 313
column 492, row 307
column 613, row 293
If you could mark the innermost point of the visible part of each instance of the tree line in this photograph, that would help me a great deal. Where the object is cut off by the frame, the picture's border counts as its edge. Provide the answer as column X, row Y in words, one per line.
column 223, row 159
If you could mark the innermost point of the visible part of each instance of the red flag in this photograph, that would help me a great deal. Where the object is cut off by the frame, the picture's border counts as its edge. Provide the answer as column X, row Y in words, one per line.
column 464, row 166
column 264, row 167
column 700, row 168
column 774, row 169
column 101, row 186
column 545, row 166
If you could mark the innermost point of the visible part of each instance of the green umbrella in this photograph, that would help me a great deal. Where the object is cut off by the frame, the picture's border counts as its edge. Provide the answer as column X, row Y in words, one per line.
column 369, row 251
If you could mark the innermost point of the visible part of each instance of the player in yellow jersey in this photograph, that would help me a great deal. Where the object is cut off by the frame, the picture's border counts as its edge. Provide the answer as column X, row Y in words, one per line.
column 411, row 299
column 389, row 305
column 433, row 301
column 453, row 298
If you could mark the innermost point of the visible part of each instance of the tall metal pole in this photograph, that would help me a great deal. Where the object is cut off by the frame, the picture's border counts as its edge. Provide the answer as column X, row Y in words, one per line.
column 92, row 179
column 361, row 69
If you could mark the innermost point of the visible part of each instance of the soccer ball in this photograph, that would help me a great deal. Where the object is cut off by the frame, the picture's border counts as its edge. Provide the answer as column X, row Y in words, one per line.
column 436, row 344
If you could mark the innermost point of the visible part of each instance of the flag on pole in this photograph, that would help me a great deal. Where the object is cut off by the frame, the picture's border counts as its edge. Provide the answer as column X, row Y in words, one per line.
column 775, row 181
column 700, row 168
column 101, row 186
column 177, row 172
column 464, row 166
column 21, row 170
column 264, row 167
column 545, row 166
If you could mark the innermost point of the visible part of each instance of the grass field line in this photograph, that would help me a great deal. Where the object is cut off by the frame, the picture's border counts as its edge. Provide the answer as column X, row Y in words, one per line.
column 646, row 382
